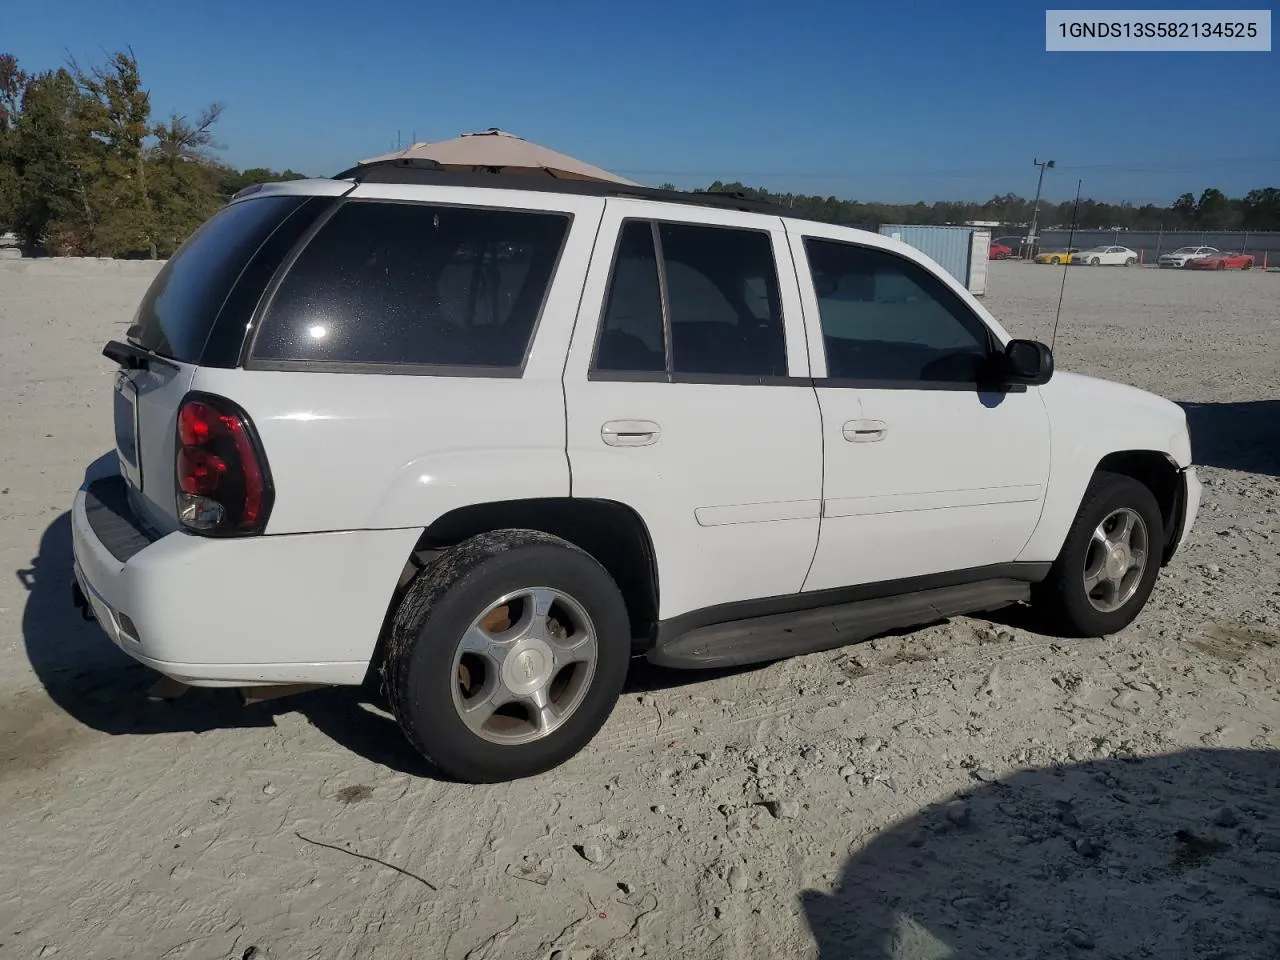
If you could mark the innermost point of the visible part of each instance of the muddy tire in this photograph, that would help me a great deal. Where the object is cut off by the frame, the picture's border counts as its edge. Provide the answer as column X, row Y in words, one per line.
column 1108, row 563
column 506, row 655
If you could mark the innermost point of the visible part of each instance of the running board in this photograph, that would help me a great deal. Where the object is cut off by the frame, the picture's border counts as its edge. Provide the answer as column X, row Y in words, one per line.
column 783, row 635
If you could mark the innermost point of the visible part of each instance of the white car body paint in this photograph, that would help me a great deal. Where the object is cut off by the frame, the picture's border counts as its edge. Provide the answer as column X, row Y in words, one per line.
column 746, row 491
column 731, row 490
column 1184, row 255
column 1082, row 411
column 1107, row 256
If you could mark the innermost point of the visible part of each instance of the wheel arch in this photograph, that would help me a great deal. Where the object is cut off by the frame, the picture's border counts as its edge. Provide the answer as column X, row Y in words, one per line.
column 1157, row 470
column 1159, row 473
column 611, row 532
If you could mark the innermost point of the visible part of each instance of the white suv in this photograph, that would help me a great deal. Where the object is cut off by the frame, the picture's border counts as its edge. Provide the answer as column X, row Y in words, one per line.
column 485, row 438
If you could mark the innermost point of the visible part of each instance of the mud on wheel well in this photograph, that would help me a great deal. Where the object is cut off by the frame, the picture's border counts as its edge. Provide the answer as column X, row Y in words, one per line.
column 1157, row 473
column 612, row 533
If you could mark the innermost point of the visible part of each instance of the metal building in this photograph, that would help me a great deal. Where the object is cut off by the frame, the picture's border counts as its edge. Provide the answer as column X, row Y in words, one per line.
column 962, row 251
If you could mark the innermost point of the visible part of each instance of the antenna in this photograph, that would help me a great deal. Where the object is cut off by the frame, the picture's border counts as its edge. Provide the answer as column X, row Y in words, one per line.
column 1066, row 264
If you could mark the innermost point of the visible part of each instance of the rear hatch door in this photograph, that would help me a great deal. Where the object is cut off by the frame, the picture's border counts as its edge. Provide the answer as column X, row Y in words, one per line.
column 167, row 342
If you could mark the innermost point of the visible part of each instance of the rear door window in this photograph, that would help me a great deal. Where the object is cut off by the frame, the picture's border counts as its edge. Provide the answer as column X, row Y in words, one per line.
column 415, row 285
column 723, row 308
column 179, row 309
column 722, row 291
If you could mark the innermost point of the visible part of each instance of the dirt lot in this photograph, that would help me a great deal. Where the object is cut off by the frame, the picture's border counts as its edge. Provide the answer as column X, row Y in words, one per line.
column 971, row 789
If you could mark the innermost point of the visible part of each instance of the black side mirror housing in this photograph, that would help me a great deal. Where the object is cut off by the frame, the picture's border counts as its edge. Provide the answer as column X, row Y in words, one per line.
column 1027, row 361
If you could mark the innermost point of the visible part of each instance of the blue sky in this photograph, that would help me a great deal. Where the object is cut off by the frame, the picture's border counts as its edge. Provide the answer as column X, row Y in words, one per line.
column 875, row 101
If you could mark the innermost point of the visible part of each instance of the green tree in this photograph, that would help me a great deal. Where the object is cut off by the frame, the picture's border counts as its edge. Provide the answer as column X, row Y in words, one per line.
column 182, row 182
column 1182, row 214
column 50, row 202
column 1213, row 210
column 12, row 82
column 231, row 181
column 117, row 114
column 1260, row 209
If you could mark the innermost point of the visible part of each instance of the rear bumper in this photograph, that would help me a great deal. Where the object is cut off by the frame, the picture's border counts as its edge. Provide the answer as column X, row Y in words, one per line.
column 302, row 608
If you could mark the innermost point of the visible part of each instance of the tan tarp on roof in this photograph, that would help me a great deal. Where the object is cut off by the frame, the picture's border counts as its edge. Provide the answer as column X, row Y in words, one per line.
column 503, row 152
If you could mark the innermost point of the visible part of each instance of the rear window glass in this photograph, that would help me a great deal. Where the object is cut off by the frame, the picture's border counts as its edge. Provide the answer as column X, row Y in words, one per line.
column 179, row 309
column 414, row 284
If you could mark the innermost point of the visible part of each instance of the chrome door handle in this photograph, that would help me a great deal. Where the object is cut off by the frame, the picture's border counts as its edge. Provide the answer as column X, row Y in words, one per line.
column 630, row 433
column 865, row 431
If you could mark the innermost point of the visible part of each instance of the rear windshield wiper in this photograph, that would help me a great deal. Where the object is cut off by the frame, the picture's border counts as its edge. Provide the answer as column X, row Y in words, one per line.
column 133, row 357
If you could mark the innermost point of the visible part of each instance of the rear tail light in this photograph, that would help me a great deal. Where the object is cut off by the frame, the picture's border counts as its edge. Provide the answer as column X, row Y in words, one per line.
column 223, row 486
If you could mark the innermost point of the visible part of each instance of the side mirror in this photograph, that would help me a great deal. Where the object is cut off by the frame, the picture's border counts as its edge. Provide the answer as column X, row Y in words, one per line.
column 1028, row 361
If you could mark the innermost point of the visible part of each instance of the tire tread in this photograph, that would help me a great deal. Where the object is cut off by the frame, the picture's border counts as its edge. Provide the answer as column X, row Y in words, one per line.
column 449, row 573
column 1059, row 598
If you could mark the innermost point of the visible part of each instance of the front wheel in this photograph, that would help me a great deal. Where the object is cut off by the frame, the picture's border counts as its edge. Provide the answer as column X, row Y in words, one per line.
column 1094, row 262
column 1109, row 561
column 1055, row 261
column 507, row 655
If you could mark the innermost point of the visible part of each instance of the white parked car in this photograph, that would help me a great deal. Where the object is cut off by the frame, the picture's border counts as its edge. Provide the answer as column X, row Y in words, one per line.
column 1106, row 256
column 484, row 439
column 1184, row 255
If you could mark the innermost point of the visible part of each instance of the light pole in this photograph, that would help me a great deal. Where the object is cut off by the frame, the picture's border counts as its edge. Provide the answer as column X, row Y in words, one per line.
column 1035, row 211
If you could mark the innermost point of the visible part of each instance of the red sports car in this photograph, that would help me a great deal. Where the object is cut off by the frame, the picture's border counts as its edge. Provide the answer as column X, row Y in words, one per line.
column 1000, row 252
column 1231, row 260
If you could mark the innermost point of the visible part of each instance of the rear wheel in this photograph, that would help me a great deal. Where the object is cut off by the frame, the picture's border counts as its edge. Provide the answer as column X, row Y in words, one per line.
column 1247, row 265
column 1109, row 561
column 1130, row 261
column 507, row 655
column 1221, row 265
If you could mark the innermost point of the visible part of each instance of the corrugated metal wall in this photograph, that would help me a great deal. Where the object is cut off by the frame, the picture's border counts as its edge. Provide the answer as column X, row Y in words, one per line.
column 979, row 261
column 951, row 247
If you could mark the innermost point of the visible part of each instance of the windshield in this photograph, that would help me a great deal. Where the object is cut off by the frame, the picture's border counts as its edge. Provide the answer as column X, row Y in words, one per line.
column 1181, row 250
column 1097, row 250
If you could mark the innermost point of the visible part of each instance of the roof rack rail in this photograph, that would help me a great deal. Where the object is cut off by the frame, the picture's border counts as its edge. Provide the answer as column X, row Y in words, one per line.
column 422, row 171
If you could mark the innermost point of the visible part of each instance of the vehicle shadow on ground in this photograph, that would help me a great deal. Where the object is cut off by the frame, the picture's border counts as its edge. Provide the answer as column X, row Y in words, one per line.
column 104, row 689
column 1174, row 856
column 1236, row 436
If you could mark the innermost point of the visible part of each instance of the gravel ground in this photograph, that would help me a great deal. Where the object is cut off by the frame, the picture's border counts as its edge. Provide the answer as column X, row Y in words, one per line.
column 970, row 789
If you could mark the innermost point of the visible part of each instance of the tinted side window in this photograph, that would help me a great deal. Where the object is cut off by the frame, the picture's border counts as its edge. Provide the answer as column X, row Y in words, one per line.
column 180, row 307
column 887, row 318
column 722, row 294
column 399, row 283
column 631, row 335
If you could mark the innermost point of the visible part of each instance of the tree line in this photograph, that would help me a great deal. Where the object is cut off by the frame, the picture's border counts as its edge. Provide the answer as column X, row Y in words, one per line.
column 86, row 170
column 1212, row 210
